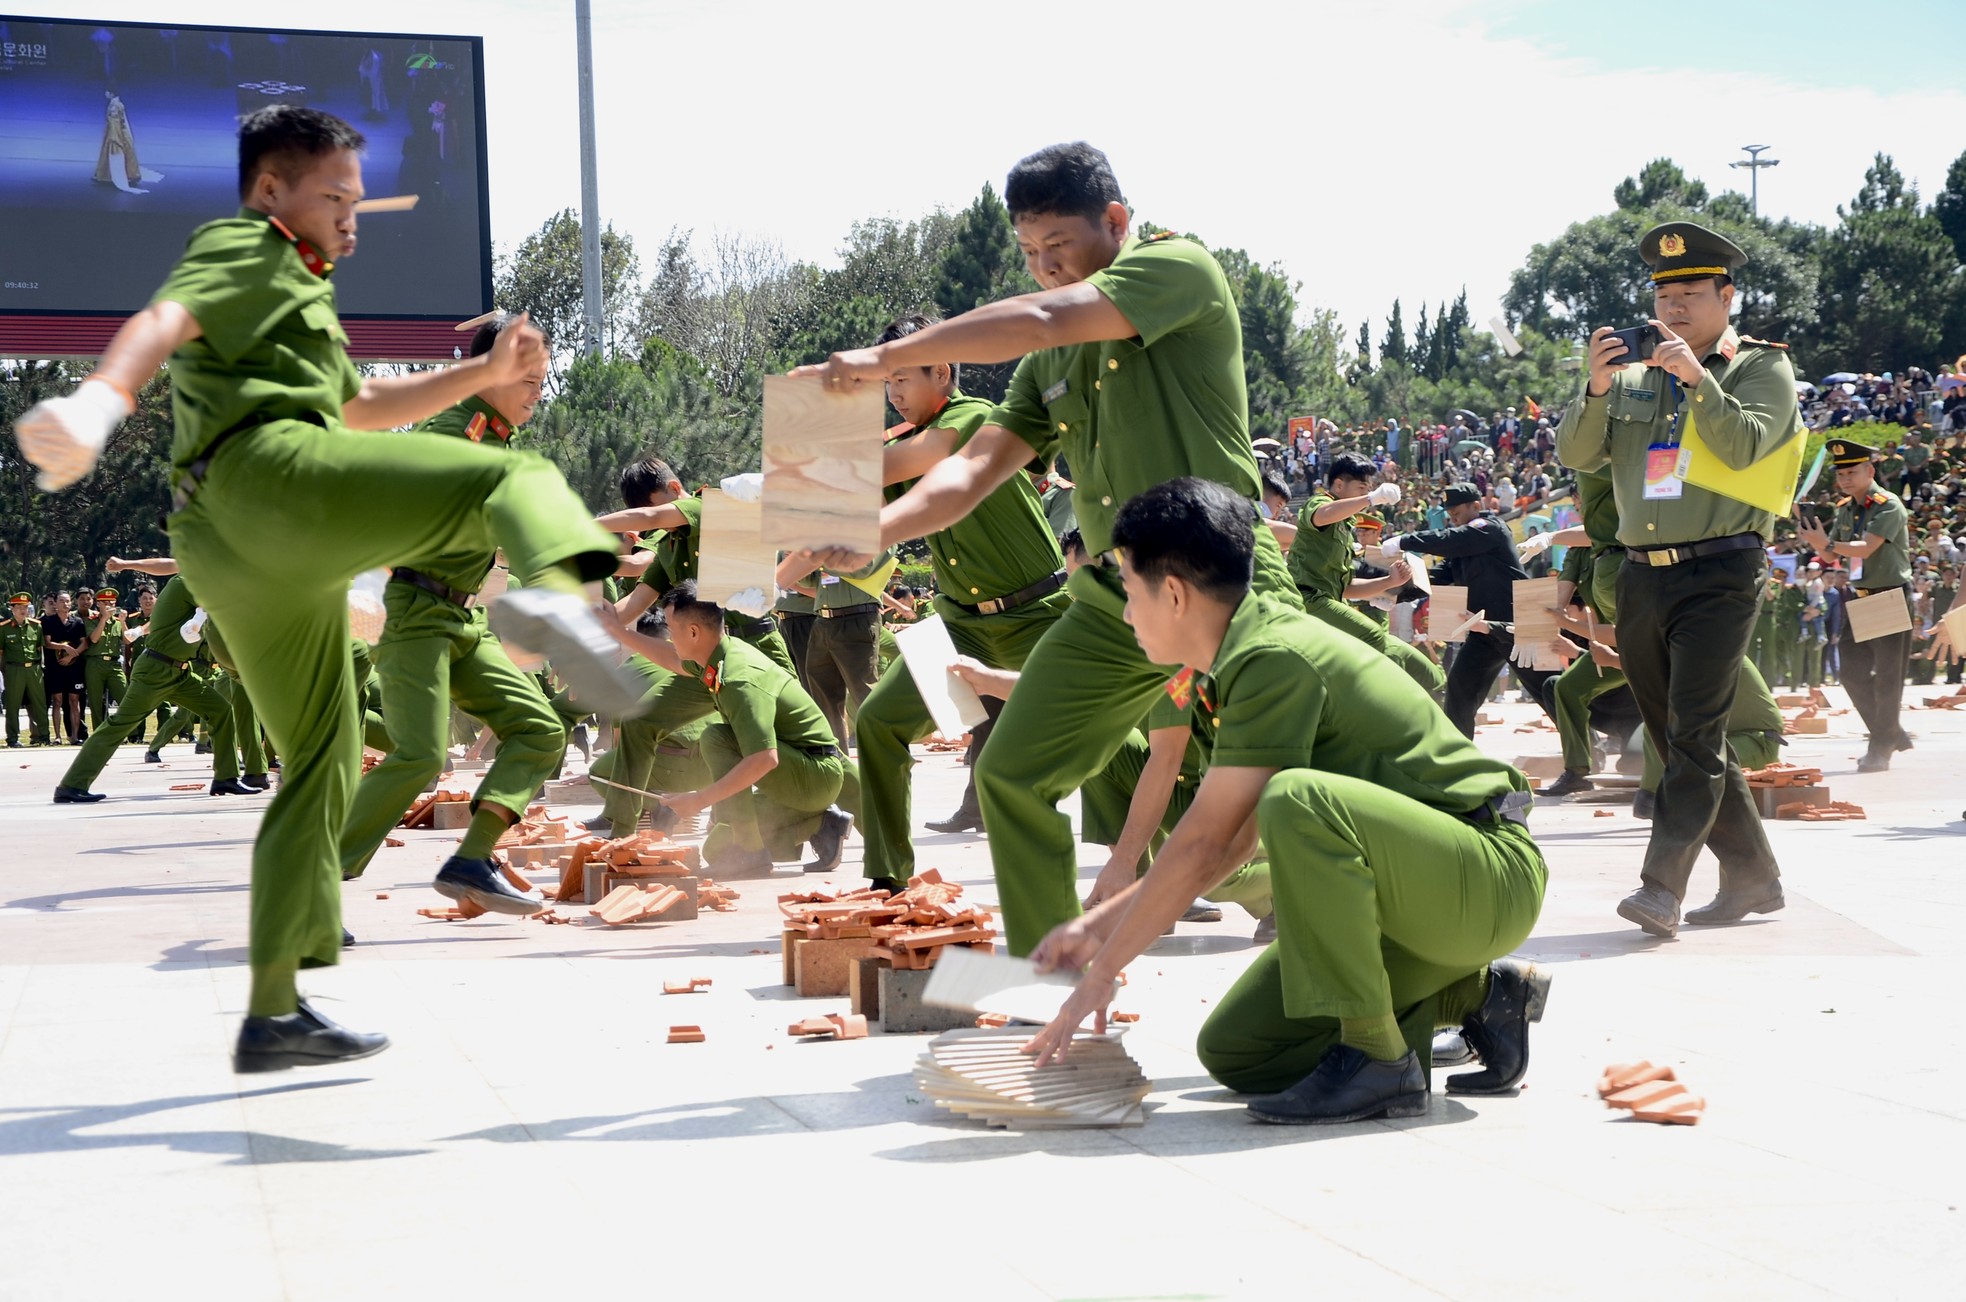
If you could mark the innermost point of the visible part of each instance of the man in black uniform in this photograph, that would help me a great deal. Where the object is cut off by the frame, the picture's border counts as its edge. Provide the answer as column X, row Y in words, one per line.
column 1481, row 557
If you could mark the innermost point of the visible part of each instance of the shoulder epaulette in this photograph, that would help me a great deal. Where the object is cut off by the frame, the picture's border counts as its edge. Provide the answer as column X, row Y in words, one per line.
column 1843, row 501
column 1752, row 342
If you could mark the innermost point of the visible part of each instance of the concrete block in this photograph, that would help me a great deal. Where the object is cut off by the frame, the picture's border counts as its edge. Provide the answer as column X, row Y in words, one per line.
column 593, row 882
column 902, row 1011
column 1768, row 799
column 821, row 967
column 863, row 987
column 1814, row 726
column 451, row 816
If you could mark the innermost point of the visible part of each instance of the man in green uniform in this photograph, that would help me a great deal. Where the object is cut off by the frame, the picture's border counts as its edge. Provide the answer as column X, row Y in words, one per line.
column 20, row 664
column 780, row 777
column 278, row 440
column 1754, row 737
column 1000, row 580
column 1765, row 648
column 1870, row 531
column 177, row 628
column 843, row 654
column 102, row 659
column 1399, row 853
column 1694, row 559
column 436, row 651
column 1590, row 572
column 1135, row 372
column 1324, row 554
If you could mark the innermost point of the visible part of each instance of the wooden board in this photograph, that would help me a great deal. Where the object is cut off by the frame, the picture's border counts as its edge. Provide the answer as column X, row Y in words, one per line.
column 734, row 555
column 927, row 651
column 1954, row 623
column 1447, row 614
column 822, row 454
column 1534, row 624
column 1878, row 616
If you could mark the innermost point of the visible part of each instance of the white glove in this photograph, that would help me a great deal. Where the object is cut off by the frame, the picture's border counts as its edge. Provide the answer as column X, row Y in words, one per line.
column 1535, row 545
column 746, row 488
column 366, row 612
column 1390, row 544
column 1384, row 495
column 193, row 630
column 755, row 602
column 64, row 437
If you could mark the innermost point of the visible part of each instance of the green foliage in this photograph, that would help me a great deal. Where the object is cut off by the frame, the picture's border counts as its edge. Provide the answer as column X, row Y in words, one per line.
column 1950, row 207
column 1392, row 349
column 543, row 277
column 1893, row 291
column 919, row 575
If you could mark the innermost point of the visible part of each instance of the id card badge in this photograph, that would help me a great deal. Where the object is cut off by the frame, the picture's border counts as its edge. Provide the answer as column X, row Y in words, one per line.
column 1662, row 474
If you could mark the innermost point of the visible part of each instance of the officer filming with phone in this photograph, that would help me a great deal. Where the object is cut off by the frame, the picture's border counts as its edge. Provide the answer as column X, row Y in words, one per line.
column 1695, row 435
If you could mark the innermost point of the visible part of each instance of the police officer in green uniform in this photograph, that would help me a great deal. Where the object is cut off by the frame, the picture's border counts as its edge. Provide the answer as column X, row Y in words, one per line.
column 779, row 775
column 1694, row 559
column 843, row 653
column 20, row 664
column 796, row 614
column 1870, row 530
column 178, row 628
column 102, row 658
column 1789, row 603
column 287, row 485
column 1590, row 570
column 1000, row 580
column 1135, row 372
column 1754, row 737
column 1399, row 854
column 437, row 651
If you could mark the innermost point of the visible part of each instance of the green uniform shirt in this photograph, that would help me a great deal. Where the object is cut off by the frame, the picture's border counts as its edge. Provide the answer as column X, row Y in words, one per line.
column 270, row 344
column 795, row 603
column 175, row 605
column 1172, row 400
column 1003, row 545
column 1744, row 410
column 1284, row 693
column 763, row 704
column 1883, row 514
column 676, row 550
column 107, row 647
column 1323, row 559
column 464, row 568
column 20, row 644
column 1597, row 501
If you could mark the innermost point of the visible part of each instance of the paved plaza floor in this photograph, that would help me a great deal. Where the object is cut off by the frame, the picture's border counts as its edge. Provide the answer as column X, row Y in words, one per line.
column 531, row 1134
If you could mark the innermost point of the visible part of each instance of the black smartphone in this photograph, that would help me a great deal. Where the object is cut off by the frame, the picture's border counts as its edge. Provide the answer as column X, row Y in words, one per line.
column 1639, row 342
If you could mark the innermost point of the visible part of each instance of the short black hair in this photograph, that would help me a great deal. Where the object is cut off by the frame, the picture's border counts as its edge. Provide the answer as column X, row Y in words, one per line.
column 1273, row 484
column 641, row 481
column 1350, row 465
column 1073, row 541
column 681, row 602
column 903, row 326
column 283, row 138
column 1193, row 529
column 1072, row 180
column 487, row 334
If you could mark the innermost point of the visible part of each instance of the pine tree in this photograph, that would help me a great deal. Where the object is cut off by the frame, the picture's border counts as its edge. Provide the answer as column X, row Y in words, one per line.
column 1364, row 347
column 1423, row 342
column 1393, row 349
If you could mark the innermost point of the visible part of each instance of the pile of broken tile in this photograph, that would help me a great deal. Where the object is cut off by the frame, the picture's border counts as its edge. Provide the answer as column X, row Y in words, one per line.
column 909, row 928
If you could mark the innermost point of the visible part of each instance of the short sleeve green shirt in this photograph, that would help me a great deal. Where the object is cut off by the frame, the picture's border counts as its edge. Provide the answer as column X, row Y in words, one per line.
column 464, row 566
column 1001, row 546
column 677, row 550
column 110, row 645
column 763, row 704
column 1287, row 693
column 175, row 605
column 270, row 343
column 1883, row 514
column 21, row 643
column 1322, row 559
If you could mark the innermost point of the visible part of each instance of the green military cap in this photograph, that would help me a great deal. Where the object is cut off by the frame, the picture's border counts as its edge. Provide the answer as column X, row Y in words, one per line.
column 1848, row 452
column 20, row 599
column 111, row 593
column 1683, row 250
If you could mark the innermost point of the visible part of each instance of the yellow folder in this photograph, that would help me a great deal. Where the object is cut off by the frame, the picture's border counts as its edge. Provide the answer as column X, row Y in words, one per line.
column 1769, row 483
column 874, row 584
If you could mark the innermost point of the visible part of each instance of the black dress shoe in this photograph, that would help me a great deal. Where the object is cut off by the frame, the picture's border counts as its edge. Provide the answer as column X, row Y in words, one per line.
column 1643, row 803
column 479, row 881
column 1654, row 909
column 1450, row 1049
column 829, row 840
column 152, row 757
column 1202, row 911
column 1572, row 781
column 1498, row 1032
column 232, row 787
column 202, row 748
column 76, row 796
column 347, row 938
column 1266, row 930
column 1732, row 906
column 1874, row 763
column 300, row 1039
column 600, row 824
column 966, row 819
column 257, row 781
column 582, row 742
column 1348, row 1086
column 14, row 745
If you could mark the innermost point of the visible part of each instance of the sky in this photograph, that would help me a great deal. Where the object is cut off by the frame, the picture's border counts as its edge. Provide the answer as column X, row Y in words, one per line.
column 1374, row 149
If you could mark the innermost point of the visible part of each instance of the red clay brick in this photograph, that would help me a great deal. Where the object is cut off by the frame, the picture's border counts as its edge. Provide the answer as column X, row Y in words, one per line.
column 686, row 1035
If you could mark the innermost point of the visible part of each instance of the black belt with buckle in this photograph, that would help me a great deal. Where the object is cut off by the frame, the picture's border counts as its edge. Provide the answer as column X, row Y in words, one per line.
column 1693, row 551
column 1896, row 587
column 750, row 630
column 1513, row 807
column 824, row 752
column 455, row 596
column 179, row 665
column 1022, row 597
column 194, row 474
column 872, row 607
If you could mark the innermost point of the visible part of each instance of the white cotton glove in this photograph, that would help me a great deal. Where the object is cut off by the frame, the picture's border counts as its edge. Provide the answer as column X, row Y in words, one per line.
column 746, row 488
column 193, row 630
column 1390, row 544
column 755, row 602
column 1384, row 495
column 64, row 437
column 366, row 612
column 1535, row 545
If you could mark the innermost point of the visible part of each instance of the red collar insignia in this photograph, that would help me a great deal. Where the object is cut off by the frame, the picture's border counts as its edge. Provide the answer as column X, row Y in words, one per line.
column 310, row 256
column 475, row 431
column 710, row 677
column 1180, row 688
column 481, row 421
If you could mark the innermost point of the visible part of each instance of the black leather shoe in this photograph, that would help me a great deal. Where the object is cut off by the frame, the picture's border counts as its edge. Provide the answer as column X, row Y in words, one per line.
column 600, row 824
column 152, row 757
column 967, row 819
column 1643, row 804
column 1572, row 781
column 1904, row 741
column 232, row 787
column 582, row 742
column 1450, row 1049
column 347, row 938
column 480, row 882
column 1874, row 763
column 828, row 842
column 1498, row 1033
column 14, row 745
column 257, row 781
column 1654, row 909
column 300, row 1039
column 1266, row 930
column 76, row 796
column 1202, row 911
column 1732, row 906
column 202, row 748
column 1348, row 1086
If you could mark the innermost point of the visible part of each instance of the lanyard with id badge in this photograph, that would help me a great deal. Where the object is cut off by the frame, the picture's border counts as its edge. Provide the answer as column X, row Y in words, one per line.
column 1665, row 463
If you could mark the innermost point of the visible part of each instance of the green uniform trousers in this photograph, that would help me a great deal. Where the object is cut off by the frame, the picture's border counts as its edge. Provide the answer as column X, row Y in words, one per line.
column 245, row 725
column 1349, row 619
column 1576, row 687
column 782, row 811
column 674, row 764
column 893, row 717
column 795, row 628
column 343, row 501
column 153, row 683
column 1107, row 796
column 432, row 655
column 26, row 689
column 843, row 664
column 1382, row 902
column 1748, row 746
column 104, row 682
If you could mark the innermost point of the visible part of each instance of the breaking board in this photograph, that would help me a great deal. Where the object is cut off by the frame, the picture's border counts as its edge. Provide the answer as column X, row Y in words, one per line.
column 822, row 452
column 734, row 555
column 928, row 653
column 1447, row 614
column 1879, row 615
column 1535, row 626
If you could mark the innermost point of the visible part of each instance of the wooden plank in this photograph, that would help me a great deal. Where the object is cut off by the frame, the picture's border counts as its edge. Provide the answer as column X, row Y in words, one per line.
column 1447, row 613
column 822, row 455
column 928, row 652
column 1878, row 616
column 735, row 558
column 1535, row 626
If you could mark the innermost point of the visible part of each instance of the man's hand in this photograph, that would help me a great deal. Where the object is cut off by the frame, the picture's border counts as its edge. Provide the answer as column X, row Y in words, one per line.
column 1384, row 495
column 686, row 804
column 64, row 437
column 519, row 351
column 1113, row 878
column 1055, row 1040
column 984, row 680
column 1401, row 574
column 1068, row 947
column 847, row 370
column 1604, row 657
column 840, row 560
column 1607, row 358
column 117, row 565
column 1676, row 355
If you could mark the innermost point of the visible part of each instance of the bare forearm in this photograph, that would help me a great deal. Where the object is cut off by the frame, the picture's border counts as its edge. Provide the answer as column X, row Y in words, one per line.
column 1150, row 797
column 1004, row 331
column 654, row 649
column 144, row 343
column 744, row 775
column 1344, row 508
column 953, row 486
column 386, row 402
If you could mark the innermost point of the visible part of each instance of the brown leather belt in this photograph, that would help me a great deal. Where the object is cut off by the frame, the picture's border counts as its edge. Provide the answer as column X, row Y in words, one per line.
column 1022, row 597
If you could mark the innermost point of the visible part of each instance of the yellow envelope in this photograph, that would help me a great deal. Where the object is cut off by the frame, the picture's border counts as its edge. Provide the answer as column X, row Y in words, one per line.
column 876, row 583
column 1769, row 483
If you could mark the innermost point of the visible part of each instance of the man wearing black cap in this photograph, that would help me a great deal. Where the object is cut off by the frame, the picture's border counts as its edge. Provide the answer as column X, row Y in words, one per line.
column 1694, row 557
column 1481, row 557
column 1871, row 531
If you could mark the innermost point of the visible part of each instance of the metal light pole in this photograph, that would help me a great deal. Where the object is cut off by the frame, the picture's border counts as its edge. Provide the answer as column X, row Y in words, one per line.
column 1754, row 163
column 590, row 181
